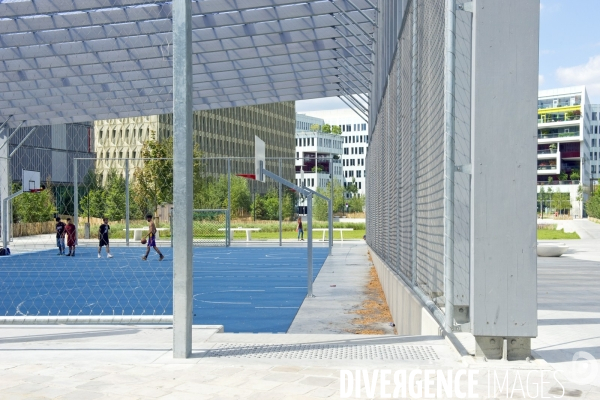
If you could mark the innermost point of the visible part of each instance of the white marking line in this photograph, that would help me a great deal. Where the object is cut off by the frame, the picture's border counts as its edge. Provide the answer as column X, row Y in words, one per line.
column 290, row 287
column 275, row 307
column 221, row 302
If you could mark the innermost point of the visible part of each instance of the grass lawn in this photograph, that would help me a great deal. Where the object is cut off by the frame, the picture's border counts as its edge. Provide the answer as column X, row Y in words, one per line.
column 548, row 234
column 269, row 230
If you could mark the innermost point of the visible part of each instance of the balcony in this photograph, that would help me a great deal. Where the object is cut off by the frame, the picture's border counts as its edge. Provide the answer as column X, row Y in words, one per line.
column 547, row 151
column 546, row 167
column 542, row 183
column 557, row 135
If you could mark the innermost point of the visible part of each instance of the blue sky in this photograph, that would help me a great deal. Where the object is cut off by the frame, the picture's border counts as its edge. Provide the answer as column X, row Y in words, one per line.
column 570, row 45
column 569, row 50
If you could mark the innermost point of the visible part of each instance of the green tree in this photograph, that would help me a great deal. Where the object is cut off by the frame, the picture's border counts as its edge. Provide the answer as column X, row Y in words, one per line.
column 336, row 129
column 115, row 196
column 321, row 206
column 561, row 201
column 33, row 207
column 240, row 195
column 351, row 188
column 315, row 127
column 93, row 204
column 153, row 182
column 326, row 128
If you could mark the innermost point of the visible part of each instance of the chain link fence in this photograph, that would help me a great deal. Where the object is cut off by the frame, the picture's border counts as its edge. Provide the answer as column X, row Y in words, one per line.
column 405, row 162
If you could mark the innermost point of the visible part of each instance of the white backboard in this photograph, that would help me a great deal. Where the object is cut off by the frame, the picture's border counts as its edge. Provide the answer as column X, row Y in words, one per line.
column 31, row 180
column 259, row 155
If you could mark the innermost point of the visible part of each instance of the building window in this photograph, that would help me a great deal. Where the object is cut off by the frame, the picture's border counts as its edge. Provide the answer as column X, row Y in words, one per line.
column 100, row 134
column 594, row 116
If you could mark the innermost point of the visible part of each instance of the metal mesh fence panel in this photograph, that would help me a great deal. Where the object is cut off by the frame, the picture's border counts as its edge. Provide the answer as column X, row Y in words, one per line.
column 430, row 146
column 211, row 227
column 405, row 163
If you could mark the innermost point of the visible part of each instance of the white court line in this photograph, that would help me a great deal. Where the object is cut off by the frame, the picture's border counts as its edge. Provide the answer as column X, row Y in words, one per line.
column 221, row 302
column 275, row 307
column 290, row 287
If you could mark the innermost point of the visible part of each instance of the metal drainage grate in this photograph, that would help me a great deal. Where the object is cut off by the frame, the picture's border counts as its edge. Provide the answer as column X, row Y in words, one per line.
column 317, row 351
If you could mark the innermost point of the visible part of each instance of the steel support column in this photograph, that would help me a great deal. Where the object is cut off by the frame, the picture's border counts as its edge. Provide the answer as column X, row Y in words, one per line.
column 182, row 180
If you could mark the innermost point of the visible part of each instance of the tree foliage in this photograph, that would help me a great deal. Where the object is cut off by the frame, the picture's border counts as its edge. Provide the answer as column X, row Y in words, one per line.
column 153, row 182
column 33, row 207
column 336, row 129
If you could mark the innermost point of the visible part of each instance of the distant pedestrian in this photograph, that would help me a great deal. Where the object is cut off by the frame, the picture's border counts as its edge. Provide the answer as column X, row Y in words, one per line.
column 151, row 239
column 103, row 232
column 60, row 236
column 299, row 229
column 71, row 231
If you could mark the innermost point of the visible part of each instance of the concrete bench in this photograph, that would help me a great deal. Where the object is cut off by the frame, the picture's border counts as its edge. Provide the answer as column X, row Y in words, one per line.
column 137, row 232
column 248, row 232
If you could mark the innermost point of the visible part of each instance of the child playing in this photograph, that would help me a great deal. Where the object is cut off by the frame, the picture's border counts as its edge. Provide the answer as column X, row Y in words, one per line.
column 151, row 239
column 60, row 236
column 71, row 231
column 103, row 237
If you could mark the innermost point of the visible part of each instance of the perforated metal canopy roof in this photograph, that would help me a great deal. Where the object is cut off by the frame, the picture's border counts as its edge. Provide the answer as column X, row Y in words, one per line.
column 81, row 60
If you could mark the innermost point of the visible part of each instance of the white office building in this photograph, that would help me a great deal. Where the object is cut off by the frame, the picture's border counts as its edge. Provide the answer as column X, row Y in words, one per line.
column 318, row 155
column 567, row 154
column 355, row 142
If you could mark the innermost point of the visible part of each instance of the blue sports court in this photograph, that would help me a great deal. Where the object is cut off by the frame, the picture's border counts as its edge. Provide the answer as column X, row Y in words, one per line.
column 245, row 289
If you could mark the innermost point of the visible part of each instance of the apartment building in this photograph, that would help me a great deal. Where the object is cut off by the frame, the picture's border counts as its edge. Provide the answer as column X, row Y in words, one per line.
column 355, row 143
column 565, row 155
column 221, row 133
column 318, row 159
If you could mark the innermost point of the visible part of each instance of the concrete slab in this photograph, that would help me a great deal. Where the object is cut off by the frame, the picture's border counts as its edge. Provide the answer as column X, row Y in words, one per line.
column 338, row 290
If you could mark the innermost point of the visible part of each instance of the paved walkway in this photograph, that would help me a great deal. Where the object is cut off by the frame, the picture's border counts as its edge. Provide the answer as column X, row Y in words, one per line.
column 339, row 289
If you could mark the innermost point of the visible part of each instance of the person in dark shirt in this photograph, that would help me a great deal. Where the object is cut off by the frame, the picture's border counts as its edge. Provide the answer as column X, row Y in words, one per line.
column 103, row 232
column 299, row 229
column 60, row 236
column 71, row 232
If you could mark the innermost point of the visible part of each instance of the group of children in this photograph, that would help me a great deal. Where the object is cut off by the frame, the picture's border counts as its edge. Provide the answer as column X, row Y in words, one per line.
column 70, row 232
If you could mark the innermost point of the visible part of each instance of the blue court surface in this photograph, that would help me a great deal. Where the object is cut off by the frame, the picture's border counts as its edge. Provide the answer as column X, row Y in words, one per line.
column 244, row 289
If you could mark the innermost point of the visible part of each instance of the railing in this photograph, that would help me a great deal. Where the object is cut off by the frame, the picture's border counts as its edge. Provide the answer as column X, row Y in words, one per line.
column 545, row 167
column 547, row 151
column 542, row 183
column 557, row 135
column 544, row 106
column 557, row 118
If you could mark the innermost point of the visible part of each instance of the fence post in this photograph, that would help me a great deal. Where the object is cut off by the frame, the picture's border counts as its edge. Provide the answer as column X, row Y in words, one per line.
column 228, row 216
column 309, row 235
column 127, row 202
column 76, row 197
column 280, row 207
column 450, row 45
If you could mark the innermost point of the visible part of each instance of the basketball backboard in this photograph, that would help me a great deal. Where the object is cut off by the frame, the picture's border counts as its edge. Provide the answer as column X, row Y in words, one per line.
column 31, row 181
column 259, row 155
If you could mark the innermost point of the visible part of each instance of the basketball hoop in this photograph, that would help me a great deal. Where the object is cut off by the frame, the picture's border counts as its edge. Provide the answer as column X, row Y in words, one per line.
column 247, row 176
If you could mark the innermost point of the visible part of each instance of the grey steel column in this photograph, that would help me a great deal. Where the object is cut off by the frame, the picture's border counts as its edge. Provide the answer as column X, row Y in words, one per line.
column 76, row 197
column 280, row 207
column 331, row 209
column 309, row 261
column 228, row 216
column 414, row 105
column 127, row 202
column 182, row 181
column 450, row 46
